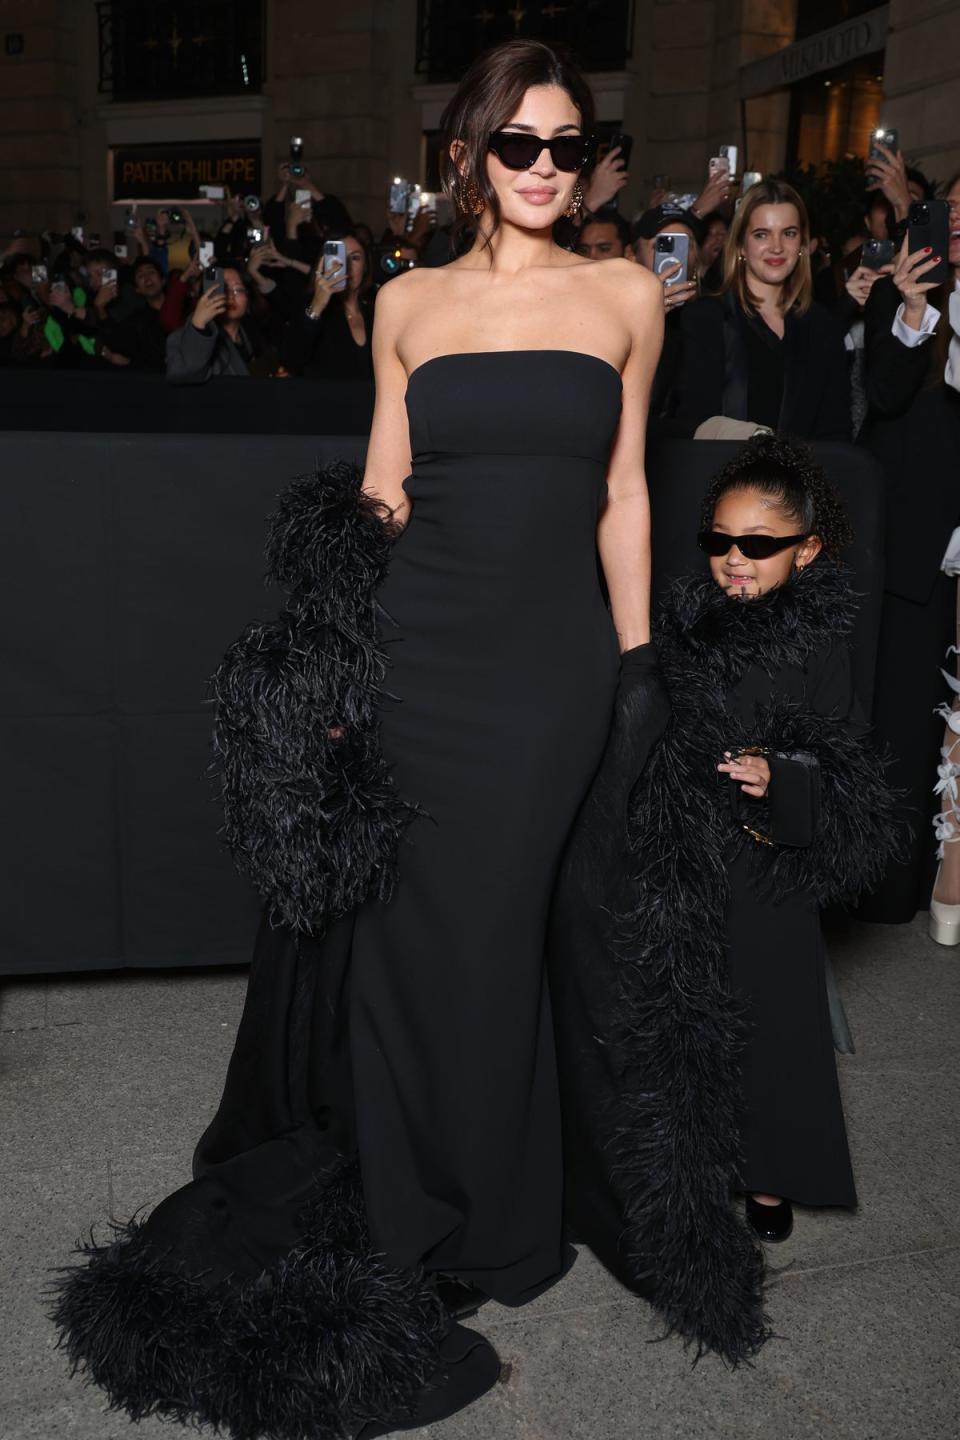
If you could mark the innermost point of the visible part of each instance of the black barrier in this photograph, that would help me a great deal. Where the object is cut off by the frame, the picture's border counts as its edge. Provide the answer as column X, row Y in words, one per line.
column 130, row 564
column 122, row 403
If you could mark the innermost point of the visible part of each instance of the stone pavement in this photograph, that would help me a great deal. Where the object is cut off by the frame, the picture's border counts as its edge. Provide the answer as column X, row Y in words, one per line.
column 105, row 1084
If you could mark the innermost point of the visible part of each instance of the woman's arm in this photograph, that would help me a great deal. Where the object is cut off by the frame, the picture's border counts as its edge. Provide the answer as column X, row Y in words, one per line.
column 623, row 534
column 388, row 454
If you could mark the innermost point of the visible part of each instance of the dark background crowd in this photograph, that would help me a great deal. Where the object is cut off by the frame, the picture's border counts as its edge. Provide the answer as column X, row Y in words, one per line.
column 257, row 296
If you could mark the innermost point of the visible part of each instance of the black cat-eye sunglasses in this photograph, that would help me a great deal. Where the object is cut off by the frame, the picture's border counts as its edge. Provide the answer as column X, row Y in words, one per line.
column 519, row 152
column 754, row 547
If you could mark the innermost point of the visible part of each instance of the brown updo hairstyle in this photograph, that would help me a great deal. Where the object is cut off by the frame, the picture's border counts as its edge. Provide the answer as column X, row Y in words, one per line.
column 486, row 100
column 798, row 288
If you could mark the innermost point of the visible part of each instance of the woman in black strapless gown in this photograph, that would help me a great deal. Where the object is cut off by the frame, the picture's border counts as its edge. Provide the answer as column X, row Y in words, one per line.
column 504, row 663
column 391, row 1113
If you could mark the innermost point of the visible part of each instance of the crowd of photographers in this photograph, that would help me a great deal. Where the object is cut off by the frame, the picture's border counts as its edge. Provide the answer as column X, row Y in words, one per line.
column 287, row 286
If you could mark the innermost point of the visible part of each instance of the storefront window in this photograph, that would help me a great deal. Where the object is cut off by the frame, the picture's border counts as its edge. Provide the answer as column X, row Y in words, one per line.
column 832, row 114
column 162, row 49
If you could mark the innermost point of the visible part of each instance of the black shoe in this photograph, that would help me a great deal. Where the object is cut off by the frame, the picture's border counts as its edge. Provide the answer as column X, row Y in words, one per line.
column 772, row 1223
column 460, row 1298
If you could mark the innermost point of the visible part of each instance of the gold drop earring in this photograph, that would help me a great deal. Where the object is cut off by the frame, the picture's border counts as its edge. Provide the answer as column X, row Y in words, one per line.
column 576, row 201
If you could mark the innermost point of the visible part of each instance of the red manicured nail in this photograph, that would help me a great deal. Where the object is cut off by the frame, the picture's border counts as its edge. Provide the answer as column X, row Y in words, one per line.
column 927, row 249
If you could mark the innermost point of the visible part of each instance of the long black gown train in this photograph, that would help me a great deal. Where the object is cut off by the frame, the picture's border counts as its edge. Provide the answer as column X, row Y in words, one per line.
column 415, row 1035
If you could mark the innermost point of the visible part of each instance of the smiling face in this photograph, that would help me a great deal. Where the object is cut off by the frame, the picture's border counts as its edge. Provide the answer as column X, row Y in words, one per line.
column 751, row 512
column 953, row 200
column 772, row 243
column 534, row 198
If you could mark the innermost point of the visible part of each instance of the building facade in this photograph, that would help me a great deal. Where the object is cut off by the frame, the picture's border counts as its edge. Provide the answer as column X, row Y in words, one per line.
column 108, row 102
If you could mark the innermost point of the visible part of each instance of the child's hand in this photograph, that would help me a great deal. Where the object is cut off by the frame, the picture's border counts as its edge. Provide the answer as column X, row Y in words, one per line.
column 752, row 771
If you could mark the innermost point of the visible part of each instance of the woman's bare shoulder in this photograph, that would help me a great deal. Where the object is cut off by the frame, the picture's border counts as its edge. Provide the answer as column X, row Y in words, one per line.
column 631, row 282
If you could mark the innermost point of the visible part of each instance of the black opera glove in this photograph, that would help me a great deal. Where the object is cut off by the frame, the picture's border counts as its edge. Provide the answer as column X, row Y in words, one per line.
column 640, row 713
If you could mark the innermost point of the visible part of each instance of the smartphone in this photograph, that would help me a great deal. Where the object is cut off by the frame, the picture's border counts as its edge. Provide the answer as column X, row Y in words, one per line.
column 38, row 275
column 303, row 197
column 750, row 178
column 205, row 254
column 59, row 284
column 669, row 247
column 131, row 220
column 121, row 252
column 252, row 202
column 77, row 232
column 212, row 276
column 625, row 143
column 928, row 223
column 150, row 226
column 296, row 157
column 877, row 253
column 109, row 277
column 888, row 137
column 176, row 217
column 335, row 253
column 255, row 234
column 730, row 153
column 93, row 240
column 213, row 192
column 413, row 204
column 718, row 163
column 399, row 191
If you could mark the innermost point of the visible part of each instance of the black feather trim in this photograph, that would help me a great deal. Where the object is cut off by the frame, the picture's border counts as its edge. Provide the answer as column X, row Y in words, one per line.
column 329, row 1340
column 313, row 817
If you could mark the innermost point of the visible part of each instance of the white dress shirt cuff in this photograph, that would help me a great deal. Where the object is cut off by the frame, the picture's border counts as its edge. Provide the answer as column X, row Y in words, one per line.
column 910, row 337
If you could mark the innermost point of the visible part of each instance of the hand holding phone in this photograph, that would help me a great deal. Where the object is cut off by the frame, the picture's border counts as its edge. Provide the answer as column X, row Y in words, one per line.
column 212, row 301
column 335, row 264
column 928, row 231
column 911, row 277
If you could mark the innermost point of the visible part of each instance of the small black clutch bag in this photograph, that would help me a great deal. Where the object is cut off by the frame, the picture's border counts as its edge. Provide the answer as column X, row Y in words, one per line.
column 790, row 811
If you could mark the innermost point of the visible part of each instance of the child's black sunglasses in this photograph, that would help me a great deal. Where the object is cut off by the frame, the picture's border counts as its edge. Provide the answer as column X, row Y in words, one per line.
column 519, row 152
column 754, row 547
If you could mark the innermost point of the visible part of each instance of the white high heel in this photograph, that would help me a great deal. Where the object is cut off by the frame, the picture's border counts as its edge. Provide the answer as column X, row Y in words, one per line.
column 944, row 923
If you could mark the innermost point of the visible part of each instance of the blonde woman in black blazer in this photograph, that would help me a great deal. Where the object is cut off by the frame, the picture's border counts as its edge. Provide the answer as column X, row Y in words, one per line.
column 764, row 350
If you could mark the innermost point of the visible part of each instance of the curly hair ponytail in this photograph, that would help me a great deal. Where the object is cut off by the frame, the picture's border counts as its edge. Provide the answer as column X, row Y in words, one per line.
column 787, row 473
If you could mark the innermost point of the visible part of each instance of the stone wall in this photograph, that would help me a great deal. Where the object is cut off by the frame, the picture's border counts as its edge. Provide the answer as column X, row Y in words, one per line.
column 40, row 151
column 922, row 82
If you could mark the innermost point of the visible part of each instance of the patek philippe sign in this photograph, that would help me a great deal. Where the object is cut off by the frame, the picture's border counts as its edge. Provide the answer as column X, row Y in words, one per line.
column 862, row 35
column 176, row 172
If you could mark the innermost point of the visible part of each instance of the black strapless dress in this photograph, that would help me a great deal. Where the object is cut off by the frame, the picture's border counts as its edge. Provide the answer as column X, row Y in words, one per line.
column 504, row 664
column 415, row 1037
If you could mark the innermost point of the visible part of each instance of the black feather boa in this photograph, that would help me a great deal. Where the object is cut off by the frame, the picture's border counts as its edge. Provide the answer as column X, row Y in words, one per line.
column 665, row 1118
column 313, row 817
column 331, row 1339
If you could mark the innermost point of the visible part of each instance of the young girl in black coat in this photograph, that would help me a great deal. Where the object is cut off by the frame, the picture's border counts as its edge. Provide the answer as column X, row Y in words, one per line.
column 687, row 961
column 778, row 617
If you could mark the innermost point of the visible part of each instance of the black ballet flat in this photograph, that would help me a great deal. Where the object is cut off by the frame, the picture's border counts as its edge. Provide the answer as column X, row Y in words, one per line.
column 772, row 1223
column 469, row 1368
column 459, row 1297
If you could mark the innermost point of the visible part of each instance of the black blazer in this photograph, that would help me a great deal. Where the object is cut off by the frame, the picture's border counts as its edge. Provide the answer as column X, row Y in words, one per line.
column 712, row 377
